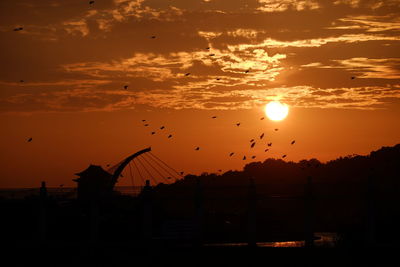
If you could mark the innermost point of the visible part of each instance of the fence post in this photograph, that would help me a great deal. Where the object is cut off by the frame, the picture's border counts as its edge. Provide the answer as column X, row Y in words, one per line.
column 309, row 213
column 198, row 219
column 94, row 220
column 370, row 224
column 252, row 214
column 147, row 214
column 42, row 212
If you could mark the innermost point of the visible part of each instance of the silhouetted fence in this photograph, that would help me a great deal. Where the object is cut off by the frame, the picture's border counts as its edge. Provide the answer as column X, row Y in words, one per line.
column 197, row 214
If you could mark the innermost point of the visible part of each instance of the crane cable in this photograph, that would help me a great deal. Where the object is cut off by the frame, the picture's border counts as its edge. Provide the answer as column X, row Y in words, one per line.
column 151, row 154
column 166, row 170
column 144, row 167
column 140, row 174
column 162, row 176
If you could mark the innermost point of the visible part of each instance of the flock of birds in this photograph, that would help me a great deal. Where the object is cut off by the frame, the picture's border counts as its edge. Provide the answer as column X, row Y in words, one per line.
column 252, row 141
column 197, row 148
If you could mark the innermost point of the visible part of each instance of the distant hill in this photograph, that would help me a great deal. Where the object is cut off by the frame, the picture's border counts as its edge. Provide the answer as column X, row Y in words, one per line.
column 342, row 189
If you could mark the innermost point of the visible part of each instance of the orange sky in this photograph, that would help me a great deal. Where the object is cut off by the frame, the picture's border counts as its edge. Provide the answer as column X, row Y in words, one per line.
column 75, row 60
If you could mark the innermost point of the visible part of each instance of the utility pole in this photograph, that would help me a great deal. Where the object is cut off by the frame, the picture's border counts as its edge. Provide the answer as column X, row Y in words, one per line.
column 252, row 214
column 309, row 213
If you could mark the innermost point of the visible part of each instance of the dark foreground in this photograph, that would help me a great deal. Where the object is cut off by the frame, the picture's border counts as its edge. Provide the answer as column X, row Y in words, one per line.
column 126, row 255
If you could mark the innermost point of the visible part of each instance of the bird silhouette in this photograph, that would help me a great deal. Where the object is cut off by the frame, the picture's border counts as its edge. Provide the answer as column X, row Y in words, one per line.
column 21, row 81
column 244, row 157
column 211, row 55
column 253, row 144
column 162, row 127
column 207, row 48
column 284, row 156
column 253, row 157
column 108, row 165
column 266, row 150
column 220, row 170
column 247, row 71
column 146, row 124
column 252, row 140
column 197, row 148
column 181, row 173
column 269, row 144
column 238, row 124
column 91, row 2
column 153, row 37
column 218, row 79
column 125, row 87
column 18, row 29
column 231, row 154
column 168, row 178
column 276, row 129
column 187, row 74
column 261, row 136
column 143, row 120
column 152, row 133
column 262, row 118
column 352, row 77
column 30, row 139
column 294, row 141
column 169, row 136
column 214, row 117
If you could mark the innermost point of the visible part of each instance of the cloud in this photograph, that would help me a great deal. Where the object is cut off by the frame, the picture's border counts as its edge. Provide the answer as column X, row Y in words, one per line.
column 283, row 5
column 368, row 68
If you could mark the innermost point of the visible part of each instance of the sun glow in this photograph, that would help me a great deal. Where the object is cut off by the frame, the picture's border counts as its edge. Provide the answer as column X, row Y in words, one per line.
column 276, row 111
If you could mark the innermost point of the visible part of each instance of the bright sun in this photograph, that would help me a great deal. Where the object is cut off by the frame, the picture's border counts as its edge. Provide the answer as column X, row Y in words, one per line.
column 276, row 111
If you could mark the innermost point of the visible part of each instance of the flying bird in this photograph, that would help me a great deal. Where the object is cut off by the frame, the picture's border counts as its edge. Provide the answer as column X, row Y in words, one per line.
column 146, row 124
column 18, row 29
column 168, row 177
column 284, row 156
column 169, row 136
column 230, row 155
column 218, row 79
column 162, row 127
column 253, row 157
column 108, row 165
column 220, row 170
column 181, row 173
column 197, row 148
column 253, row 144
column 238, row 124
column 21, row 81
column 244, row 157
column 269, row 144
column 153, row 133
column 262, row 118
column 211, row 55
column 143, row 120
column 276, row 129
column 252, row 140
column 125, row 87
column 153, row 37
column 207, row 48
column 266, row 150
column 261, row 136
column 294, row 141
column 247, row 71
column 187, row 74
column 214, row 117
column 91, row 2
column 352, row 77
column 30, row 139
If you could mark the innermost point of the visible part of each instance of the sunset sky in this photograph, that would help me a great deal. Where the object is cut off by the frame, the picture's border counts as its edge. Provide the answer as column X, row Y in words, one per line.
column 74, row 60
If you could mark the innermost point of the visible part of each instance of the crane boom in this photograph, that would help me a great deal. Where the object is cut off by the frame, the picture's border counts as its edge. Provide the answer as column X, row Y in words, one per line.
column 125, row 162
